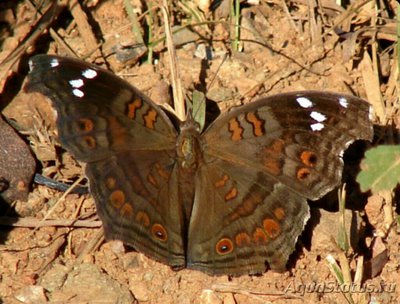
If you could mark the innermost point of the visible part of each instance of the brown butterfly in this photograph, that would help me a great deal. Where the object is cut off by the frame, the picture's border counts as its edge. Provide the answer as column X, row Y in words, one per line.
column 224, row 201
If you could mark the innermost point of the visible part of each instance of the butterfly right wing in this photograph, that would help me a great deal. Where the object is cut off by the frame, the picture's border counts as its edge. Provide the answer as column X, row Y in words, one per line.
column 260, row 163
column 128, row 143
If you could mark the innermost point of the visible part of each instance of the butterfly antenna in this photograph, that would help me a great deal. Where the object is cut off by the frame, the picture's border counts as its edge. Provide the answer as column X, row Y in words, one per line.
column 216, row 72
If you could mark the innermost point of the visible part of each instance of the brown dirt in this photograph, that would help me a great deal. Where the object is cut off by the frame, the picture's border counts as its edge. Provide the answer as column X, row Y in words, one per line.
column 297, row 48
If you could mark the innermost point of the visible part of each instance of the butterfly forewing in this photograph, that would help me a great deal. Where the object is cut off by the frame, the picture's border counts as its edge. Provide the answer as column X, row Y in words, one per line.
column 98, row 113
column 296, row 138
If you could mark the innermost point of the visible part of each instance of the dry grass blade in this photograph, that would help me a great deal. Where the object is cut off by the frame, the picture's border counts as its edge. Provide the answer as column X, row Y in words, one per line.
column 315, row 26
column 372, row 87
column 134, row 21
column 343, row 238
column 339, row 275
column 51, row 210
column 235, row 28
column 255, row 295
column 84, row 28
column 35, row 223
column 39, row 28
column 177, row 90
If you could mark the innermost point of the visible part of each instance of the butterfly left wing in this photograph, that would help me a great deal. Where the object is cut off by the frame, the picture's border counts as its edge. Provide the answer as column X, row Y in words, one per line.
column 128, row 145
column 260, row 163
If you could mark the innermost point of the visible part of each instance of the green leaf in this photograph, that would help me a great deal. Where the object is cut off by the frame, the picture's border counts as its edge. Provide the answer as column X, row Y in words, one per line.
column 343, row 238
column 380, row 169
column 199, row 108
column 335, row 269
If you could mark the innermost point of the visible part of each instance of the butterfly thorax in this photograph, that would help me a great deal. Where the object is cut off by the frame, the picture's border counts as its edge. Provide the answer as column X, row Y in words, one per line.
column 189, row 158
column 188, row 146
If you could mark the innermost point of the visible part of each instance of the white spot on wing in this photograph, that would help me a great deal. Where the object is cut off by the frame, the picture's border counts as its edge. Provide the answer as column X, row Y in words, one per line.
column 317, row 126
column 371, row 113
column 343, row 102
column 30, row 65
column 78, row 93
column 55, row 113
column 89, row 73
column 54, row 62
column 318, row 116
column 76, row 83
column 304, row 102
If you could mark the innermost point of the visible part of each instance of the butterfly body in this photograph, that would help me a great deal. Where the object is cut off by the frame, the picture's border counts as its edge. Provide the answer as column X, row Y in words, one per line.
column 228, row 200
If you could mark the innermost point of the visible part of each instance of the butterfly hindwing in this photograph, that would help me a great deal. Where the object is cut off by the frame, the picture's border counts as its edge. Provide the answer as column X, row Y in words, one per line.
column 250, row 219
column 138, row 202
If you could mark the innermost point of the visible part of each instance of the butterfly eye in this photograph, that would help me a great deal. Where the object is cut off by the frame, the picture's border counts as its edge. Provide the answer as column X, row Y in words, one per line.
column 224, row 246
column 159, row 232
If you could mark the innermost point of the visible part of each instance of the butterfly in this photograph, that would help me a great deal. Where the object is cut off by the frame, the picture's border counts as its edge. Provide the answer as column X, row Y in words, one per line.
column 231, row 199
